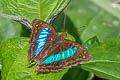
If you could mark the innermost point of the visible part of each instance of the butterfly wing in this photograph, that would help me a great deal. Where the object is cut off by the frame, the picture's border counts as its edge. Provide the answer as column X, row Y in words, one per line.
column 41, row 34
column 72, row 54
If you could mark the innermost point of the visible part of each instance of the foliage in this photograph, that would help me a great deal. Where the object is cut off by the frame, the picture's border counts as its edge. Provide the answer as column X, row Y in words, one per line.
column 15, row 67
column 95, row 24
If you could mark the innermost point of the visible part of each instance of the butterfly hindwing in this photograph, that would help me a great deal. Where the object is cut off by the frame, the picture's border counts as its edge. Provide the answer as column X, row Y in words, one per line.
column 72, row 54
column 41, row 34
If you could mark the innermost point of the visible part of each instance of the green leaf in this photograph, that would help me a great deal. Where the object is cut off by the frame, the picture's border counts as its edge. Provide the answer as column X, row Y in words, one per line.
column 103, row 25
column 78, row 15
column 14, row 54
column 9, row 50
column 33, row 9
column 9, row 29
column 109, row 6
column 84, row 22
column 106, row 59
column 91, row 42
column 79, row 74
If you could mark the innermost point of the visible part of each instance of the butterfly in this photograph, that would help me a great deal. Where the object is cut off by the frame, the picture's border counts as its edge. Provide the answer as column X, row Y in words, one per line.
column 51, row 51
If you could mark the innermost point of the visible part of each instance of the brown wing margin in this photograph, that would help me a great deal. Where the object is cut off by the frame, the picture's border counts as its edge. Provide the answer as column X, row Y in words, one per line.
column 81, row 56
column 37, row 26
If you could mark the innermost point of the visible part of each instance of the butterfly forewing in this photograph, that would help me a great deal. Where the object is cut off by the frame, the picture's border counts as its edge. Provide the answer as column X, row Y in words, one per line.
column 37, row 27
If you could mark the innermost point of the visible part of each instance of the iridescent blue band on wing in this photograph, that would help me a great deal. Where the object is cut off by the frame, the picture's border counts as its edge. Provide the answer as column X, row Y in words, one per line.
column 41, row 40
column 60, row 56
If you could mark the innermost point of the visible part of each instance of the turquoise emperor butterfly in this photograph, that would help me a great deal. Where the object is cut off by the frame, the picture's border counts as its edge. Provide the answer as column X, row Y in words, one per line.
column 51, row 51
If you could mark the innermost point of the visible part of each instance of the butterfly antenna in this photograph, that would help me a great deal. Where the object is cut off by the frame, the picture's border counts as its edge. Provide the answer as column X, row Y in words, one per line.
column 52, row 18
column 26, row 23
column 65, row 18
column 18, row 19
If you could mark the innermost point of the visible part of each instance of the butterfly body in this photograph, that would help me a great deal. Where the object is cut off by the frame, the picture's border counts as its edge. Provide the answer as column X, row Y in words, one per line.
column 51, row 51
